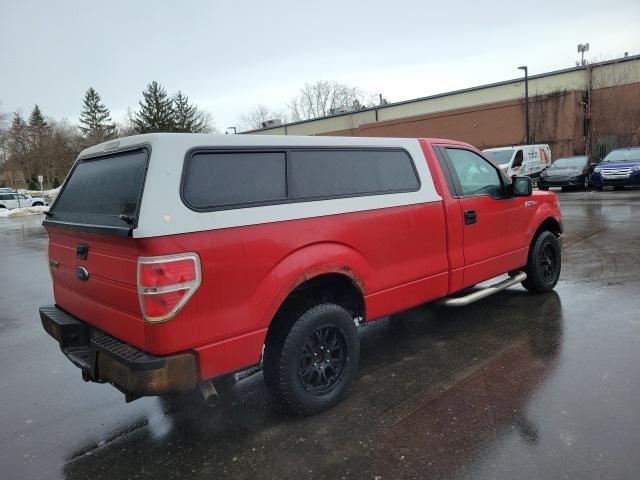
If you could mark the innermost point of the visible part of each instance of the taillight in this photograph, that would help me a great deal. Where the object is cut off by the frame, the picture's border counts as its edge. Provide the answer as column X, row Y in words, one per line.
column 166, row 283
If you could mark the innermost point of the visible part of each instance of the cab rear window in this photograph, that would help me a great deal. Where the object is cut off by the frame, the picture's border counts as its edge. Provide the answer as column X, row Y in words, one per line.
column 102, row 193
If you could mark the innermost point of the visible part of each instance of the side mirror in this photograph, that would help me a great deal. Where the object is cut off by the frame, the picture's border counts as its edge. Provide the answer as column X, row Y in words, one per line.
column 522, row 186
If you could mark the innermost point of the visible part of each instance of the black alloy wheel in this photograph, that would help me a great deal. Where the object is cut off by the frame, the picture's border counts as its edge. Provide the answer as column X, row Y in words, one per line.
column 544, row 263
column 311, row 356
column 547, row 262
column 322, row 360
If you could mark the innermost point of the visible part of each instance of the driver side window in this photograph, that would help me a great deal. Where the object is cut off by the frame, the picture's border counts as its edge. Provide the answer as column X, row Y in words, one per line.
column 475, row 174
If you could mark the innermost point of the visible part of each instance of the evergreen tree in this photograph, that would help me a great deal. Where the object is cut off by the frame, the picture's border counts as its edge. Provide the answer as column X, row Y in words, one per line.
column 186, row 116
column 36, row 119
column 18, row 141
column 38, row 127
column 95, row 118
column 156, row 111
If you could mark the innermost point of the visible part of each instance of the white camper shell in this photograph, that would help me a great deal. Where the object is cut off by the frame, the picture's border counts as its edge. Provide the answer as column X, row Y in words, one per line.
column 527, row 160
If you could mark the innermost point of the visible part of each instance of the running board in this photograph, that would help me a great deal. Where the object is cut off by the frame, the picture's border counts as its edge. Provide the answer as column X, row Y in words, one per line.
column 485, row 292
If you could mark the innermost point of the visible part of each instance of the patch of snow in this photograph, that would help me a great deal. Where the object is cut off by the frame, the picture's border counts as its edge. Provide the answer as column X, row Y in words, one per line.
column 22, row 212
column 38, row 193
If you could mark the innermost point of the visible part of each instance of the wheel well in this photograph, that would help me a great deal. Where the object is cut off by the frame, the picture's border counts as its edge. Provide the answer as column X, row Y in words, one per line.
column 327, row 288
column 550, row 224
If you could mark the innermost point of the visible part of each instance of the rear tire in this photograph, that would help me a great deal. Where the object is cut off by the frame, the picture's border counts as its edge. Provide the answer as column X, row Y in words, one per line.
column 545, row 188
column 312, row 356
column 544, row 263
column 37, row 204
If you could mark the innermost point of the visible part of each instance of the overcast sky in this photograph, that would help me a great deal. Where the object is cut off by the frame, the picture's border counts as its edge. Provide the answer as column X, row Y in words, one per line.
column 229, row 56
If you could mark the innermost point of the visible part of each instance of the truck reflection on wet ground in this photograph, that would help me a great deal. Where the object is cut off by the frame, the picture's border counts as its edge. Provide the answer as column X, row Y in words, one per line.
column 421, row 369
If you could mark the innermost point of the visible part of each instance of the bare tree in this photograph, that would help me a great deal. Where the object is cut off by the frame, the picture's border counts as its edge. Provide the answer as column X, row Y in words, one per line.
column 254, row 118
column 4, row 117
column 318, row 99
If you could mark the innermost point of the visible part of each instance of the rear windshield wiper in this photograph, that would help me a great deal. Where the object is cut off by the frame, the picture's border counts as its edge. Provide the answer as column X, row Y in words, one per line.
column 126, row 218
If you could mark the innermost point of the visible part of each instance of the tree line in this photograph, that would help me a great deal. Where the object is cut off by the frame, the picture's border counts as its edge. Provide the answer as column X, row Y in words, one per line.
column 313, row 100
column 37, row 145
column 40, row 145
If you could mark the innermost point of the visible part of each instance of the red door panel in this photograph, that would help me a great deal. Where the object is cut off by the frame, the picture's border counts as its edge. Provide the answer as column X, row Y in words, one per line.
column 493, row 244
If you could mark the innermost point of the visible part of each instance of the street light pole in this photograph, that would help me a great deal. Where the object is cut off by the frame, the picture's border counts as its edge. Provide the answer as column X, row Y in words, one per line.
column 526, row 101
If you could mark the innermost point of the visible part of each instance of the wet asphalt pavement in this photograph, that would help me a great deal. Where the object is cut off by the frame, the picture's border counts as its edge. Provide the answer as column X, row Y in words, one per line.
column 513, row 387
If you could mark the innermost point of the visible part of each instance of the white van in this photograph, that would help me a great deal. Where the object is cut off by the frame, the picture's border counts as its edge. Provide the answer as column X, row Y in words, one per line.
column 521, row 159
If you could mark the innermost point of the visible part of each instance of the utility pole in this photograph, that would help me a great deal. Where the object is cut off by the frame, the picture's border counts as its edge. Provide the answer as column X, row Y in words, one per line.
column 526, row 102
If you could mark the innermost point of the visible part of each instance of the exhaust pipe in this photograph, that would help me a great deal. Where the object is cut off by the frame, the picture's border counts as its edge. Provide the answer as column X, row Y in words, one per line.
column 210, row 394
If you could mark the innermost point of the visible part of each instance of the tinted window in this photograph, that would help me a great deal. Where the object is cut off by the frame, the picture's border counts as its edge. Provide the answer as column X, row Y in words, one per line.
column 323, row 173
column 570, row 162
column 220, row 179
column 476, row 175
column 101, row 190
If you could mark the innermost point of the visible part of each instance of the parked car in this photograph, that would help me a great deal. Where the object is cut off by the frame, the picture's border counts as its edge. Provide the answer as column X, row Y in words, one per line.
column 7, row 190
column 527, row 160
column 16, row 200
column 574, row 171
column 620, row 168
column 270, row 250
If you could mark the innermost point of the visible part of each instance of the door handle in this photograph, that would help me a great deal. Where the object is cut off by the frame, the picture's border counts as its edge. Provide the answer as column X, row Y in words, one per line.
column 470, row 217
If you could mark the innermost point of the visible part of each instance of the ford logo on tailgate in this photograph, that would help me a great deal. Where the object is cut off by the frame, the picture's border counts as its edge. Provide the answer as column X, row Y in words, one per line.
column 82, row 273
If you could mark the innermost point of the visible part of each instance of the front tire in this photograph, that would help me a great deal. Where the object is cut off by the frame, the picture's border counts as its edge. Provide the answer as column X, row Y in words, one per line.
column 543, row 187
column 311, row 357
column 544, row 263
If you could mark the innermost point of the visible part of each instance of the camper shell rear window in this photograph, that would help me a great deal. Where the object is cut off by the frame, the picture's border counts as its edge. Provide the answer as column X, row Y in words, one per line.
column 102, row 193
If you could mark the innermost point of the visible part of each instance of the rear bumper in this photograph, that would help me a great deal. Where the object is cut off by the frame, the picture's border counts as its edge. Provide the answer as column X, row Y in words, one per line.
column 103, row 358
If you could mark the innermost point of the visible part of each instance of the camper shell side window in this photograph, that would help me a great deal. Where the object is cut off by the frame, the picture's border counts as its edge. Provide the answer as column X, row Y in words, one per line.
column 226, row 179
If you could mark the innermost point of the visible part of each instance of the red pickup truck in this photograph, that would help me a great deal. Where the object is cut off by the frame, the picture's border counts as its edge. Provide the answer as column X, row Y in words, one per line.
column 178, row 259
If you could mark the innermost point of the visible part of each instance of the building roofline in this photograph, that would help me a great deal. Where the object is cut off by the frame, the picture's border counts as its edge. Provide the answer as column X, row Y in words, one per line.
column 454, row 92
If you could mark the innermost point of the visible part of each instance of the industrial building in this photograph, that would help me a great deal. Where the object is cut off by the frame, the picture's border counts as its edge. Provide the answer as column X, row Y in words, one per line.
column 592, row 107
